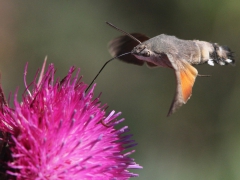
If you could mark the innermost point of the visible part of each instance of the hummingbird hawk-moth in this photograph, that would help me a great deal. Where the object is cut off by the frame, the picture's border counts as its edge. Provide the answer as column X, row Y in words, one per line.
column 170, row 52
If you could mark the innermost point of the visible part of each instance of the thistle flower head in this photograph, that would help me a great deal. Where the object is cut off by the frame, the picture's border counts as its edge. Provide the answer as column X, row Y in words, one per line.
column 56, row 133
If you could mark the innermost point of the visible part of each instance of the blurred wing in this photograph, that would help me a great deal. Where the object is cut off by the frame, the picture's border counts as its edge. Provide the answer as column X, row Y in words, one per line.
column 185, row 77
column 123, row 44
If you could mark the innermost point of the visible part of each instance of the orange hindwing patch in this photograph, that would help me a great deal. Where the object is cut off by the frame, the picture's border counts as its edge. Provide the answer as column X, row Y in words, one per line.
column 188, row 75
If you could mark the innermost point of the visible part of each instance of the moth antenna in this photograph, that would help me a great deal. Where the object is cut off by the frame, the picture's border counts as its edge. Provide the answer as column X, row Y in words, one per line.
column 129, row 35
column 103, row 68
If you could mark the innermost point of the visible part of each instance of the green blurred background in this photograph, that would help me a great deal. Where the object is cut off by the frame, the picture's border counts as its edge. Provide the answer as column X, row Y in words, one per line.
column 202, row 139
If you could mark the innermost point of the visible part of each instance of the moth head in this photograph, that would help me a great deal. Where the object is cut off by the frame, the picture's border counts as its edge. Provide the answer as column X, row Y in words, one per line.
column 142, row 52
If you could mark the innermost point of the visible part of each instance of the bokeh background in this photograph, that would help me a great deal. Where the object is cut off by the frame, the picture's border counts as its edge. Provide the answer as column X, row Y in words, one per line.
column 202, row 139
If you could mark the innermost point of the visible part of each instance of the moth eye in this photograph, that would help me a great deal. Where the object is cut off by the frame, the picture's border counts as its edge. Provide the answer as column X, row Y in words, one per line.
column 146, row 54
column 140, row 48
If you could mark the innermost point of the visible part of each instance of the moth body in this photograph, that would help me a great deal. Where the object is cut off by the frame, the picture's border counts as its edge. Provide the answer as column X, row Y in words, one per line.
column 194, row 52
column 171, row 52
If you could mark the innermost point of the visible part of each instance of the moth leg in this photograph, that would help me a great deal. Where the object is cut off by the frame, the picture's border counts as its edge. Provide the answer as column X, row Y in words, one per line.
column 204, row 75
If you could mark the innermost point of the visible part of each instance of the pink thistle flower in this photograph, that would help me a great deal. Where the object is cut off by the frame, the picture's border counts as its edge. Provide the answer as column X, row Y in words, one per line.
column 56, row 133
